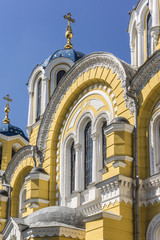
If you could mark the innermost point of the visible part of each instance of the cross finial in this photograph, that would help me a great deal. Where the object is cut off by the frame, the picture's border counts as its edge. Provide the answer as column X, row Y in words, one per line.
column 7, row 109
column 69, row 33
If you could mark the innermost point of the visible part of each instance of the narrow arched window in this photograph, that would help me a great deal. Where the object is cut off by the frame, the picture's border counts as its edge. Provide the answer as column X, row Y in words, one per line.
column 60, row 75
column 149, row 25
column 88, row 154
column 72, row 154
column 104, row 144
column 39, row 99
column 1, row 148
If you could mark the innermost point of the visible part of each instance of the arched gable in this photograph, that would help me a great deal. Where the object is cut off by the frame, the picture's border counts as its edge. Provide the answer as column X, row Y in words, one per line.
column 123, row 71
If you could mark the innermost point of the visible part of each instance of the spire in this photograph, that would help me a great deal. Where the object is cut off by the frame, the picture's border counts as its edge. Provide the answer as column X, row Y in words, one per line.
column 69, row 34
column 7, row 109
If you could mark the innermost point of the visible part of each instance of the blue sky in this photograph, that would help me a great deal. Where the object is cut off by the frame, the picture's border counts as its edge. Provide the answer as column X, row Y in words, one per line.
column 32, row 30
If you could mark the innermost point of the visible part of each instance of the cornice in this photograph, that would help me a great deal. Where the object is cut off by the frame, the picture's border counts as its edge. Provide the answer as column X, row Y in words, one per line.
column 10, row 138
column 146, row 72
column 124, row 72
column 54, row 231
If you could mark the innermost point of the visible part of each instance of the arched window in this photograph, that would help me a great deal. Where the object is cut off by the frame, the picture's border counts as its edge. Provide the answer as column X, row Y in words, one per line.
column 104, row 155
column 1, row 154
column 60, row 75
column 72, row 154
column 149, row 25
column 39, row 99
column 88, row 154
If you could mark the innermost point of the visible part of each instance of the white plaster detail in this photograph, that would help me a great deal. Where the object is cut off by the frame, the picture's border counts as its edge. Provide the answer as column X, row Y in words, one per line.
column 41, row 176
column 72, row 122
column 119, row 164
column 119, row 127
column 153, row 230
column 96, row 103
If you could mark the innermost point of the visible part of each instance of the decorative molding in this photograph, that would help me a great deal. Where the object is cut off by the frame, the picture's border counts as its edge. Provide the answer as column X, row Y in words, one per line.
column 118, row 127
column 119, row 158
column 116, row 189
column 105, row 214
column 59, row 231
column 15, row 137
column 153, row 226
column 119, row 164
column 16, row 160
column 40, row 176
column 96, row 103
column 155, row 31
column 122, row 69
column 146, row 72
column 36, row 200
column 72, row 122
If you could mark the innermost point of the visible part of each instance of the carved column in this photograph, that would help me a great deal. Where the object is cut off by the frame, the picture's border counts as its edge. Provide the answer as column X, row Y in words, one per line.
column 94, row 158
column 139, row 44
column 78, row 170
column 46, row 93
column 133, row 62
column 30, row 110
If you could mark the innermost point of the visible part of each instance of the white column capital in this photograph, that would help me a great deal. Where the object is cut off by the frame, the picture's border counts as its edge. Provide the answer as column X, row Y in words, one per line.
column 77, row 146
column 94, row 136
column 45, row 79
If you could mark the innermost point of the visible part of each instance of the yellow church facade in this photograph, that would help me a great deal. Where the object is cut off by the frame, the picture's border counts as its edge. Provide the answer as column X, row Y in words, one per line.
column 90, row 169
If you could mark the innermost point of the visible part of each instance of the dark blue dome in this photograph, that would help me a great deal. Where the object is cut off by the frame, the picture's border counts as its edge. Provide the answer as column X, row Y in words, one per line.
column 66, row 53
column 10, row 130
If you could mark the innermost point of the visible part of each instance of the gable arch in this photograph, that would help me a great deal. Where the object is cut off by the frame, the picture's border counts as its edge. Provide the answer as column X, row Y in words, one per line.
column 123, row 71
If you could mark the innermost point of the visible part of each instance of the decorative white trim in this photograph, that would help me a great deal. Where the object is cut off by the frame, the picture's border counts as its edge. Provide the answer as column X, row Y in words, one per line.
column 15, row 137
column 118, row 127
column 3, row 220
column 40, row 176
column 37, row 200
column 105, row 214
column 119, row 164
column 3, row 199
column 123, row 71
column 119, row 158
column 54, row 231
column 153, row 230
column 33, row 205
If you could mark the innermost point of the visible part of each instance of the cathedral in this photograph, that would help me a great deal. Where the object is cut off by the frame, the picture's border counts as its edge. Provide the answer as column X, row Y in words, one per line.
column 90, row 166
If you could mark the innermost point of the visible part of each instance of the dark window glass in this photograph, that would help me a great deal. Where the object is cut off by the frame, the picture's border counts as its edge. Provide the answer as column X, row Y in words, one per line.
column 72, row 152
column 88, row 155
column 60, row 75
column 149, row 25
column 104, row 145
column 39, row 100
column 13, row 152
column 0, row 156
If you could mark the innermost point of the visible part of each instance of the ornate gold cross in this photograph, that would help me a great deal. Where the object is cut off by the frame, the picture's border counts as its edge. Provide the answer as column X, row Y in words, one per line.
column 69, row 33
column 7, row 109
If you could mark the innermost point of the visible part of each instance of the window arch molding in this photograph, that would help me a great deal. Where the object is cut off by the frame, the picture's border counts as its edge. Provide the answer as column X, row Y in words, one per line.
column 22, row 198
column 154, row 141
column 153, row 230
column 53, row 75
column 65, row 167
column 100, row 119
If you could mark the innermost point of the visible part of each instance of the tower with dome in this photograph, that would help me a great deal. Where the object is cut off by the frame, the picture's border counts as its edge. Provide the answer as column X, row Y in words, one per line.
column 90, row 169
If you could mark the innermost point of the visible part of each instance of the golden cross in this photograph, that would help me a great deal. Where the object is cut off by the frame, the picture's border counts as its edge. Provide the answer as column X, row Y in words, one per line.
column 69, row 18
column 69, row 33
column 7, row 109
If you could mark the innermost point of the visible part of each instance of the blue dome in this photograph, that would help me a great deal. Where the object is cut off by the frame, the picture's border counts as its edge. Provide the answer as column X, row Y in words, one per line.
column 66, row 53
column 10, row 130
